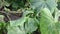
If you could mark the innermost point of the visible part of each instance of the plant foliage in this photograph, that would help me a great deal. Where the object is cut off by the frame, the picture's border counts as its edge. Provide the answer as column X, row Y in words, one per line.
column 29, row 17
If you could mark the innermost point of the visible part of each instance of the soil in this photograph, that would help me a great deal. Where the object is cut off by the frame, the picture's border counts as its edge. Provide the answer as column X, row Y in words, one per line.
column 12, row 16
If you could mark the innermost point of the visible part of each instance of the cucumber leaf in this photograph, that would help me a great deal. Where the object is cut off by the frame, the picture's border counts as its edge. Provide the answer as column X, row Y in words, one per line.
column 47, row 23
column 40, row 4
column 18, row 27
column 31, row 25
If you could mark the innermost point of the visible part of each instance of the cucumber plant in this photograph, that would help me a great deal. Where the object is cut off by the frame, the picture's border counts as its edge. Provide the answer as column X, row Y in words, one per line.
column 38, row 16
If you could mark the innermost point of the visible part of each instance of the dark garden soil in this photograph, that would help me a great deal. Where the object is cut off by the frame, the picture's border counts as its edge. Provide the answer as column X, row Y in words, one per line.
column 11, row 16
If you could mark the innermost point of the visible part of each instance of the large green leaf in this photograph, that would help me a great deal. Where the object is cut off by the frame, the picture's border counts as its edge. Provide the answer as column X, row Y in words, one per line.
column 16, row 30
column 40, row 4
column 31, row 25
column 47, row 24
column 17, row 26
